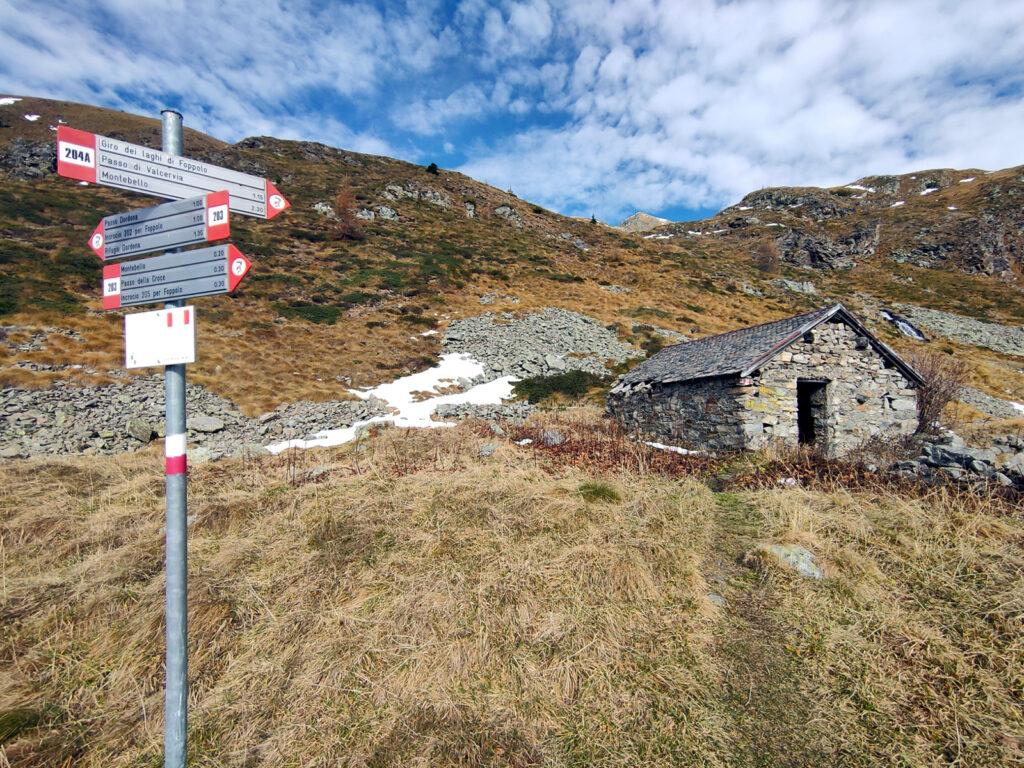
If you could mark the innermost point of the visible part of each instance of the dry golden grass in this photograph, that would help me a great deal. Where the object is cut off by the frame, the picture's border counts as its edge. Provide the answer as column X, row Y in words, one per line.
column 419, row 605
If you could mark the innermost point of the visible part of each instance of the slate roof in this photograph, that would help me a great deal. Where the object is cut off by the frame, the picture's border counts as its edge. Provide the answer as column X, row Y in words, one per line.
column 743, row 351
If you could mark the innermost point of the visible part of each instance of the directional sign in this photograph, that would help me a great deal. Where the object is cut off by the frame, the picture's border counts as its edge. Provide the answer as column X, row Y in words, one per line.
column 170, row 225
column 202, row 272
column 113, row 163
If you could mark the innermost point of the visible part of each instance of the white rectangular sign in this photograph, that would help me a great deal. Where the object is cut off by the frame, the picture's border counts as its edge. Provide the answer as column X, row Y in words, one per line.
column 161, row 337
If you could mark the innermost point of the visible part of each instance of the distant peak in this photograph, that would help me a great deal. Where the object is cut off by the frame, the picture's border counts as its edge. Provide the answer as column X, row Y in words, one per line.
column 642, row 222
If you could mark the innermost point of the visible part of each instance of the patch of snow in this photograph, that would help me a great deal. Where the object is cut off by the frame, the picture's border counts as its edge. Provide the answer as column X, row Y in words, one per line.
column 657, row 237
column 6, row 101
column 952, row 208
column 429, row 333
column 929, row 190
column 898, row 203
column 969, row 178
column 718, row 231
column 691, row 232
column 409, row 412
column 31, row 118
column 903, row 326
column 744, row 208
column 83, row 183
column 673, row 449
column 1018, row 406
column 860, row 188
column 796, row 205
column 524, row 441
column 773, row 224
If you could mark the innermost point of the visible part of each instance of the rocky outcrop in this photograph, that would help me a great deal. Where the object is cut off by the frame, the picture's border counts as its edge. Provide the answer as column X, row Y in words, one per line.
column 950, row 458
column 539, row 344
column 25, row 159
column 808, row 202
column 413, row 191
column 642, row 222
column 805, row 248
column 509, row 214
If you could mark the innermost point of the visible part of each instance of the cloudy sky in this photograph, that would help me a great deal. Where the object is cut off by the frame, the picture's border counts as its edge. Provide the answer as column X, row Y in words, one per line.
column 604, row 106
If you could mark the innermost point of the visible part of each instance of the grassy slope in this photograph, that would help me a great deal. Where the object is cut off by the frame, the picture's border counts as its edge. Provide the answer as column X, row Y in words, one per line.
column 428, row 267
column 422, row 606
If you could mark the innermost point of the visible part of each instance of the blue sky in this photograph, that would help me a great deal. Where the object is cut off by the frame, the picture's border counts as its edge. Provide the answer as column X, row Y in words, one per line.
column 584, row 106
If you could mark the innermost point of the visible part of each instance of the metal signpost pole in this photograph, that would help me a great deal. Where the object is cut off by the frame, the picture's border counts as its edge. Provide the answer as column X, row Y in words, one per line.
column 176, row 687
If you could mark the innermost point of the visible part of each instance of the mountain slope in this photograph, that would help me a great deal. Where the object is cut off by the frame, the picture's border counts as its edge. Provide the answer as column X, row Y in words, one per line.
column 325, row 307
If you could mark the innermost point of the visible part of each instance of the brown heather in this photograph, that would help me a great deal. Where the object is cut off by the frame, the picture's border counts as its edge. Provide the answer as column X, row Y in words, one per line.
column 417, row 605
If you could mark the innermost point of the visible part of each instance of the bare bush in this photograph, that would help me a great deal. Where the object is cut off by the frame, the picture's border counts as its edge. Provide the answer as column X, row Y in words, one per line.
column 346, row 225
column 767, row 257
column 944, row 380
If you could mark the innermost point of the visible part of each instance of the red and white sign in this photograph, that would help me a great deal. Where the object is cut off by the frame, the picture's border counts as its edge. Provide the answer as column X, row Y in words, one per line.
column 161, row 337
column 174, row 276
column 163, row 227
column 114, row 163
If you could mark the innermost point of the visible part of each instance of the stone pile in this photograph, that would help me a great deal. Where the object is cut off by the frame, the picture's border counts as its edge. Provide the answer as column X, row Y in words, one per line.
column 539, row 344
column 515, row 412
column 950, row 458
column 116, row 418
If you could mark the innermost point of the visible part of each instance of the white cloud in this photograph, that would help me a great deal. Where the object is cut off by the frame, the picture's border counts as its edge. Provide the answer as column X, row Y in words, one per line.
column 609, row 105
column 696, row 105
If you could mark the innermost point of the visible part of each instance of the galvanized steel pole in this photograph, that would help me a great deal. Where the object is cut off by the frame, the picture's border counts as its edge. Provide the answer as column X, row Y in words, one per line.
column 176, row 686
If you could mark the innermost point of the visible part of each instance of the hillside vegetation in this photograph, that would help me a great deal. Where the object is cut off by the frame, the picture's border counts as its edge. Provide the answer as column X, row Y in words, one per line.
column 403, row 601
column 328, row 305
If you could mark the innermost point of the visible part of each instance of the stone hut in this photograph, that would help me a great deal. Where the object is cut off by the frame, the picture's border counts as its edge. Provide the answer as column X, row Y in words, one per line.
column 819, row 379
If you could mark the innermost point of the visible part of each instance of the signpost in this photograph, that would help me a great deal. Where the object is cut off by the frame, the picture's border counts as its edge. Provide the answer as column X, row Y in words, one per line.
column 174, row 276
column 200, row 219
column 167, row 337
column 113, row 163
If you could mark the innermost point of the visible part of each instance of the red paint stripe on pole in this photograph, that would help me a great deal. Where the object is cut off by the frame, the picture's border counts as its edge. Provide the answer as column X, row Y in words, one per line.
column 176, row 465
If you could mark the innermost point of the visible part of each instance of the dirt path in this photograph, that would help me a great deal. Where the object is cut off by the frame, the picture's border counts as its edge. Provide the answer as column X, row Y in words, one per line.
column 766, row 691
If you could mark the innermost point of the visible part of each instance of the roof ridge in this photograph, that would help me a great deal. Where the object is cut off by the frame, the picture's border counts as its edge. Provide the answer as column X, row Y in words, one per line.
column 760, row 325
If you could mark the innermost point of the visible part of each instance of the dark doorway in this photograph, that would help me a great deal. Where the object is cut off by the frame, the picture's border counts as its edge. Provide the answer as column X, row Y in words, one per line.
column 810, row 412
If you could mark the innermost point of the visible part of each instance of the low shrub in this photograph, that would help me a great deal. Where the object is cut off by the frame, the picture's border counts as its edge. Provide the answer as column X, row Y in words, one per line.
column 593, row 490
column 311, row 313
column 571, row 384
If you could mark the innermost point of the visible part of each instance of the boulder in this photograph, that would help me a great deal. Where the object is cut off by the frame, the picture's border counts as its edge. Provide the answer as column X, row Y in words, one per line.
column 140, row 429
column 789, row 556
column 203, row 423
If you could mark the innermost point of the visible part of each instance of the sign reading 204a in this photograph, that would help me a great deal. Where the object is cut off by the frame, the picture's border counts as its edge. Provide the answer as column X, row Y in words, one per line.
column 114, row 163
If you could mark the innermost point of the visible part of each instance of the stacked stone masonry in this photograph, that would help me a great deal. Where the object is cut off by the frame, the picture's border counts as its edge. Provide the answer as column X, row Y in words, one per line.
column 865, row 396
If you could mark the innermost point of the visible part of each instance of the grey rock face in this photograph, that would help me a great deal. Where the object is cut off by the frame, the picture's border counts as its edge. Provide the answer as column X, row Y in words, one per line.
column 805, row 287
column 413, row 191
column 524, row 347
column 510, row 215
column 808, row 249
column 25, row 159
column 387, row 213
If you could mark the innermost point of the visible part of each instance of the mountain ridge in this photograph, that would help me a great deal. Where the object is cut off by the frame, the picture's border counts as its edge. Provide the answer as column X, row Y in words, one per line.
column 325, row 308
